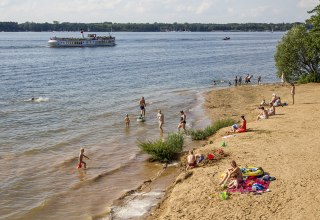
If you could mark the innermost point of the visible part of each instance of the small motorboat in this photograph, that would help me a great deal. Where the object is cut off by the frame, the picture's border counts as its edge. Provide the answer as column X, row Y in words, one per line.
column 226, row 38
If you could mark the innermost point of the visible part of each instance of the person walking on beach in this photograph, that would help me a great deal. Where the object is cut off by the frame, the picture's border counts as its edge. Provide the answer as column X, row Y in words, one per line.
column 81, row 156
column 293, row 92
column 183, row 121
column 161, row 120
column 236, row 81
column 142, row 104
column 240, row 80
column 127, row 120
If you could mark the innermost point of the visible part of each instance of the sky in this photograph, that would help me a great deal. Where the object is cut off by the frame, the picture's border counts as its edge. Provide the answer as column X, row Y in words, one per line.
column 150, row 11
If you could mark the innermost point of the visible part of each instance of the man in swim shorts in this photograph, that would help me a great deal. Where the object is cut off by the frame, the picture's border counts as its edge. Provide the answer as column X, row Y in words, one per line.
column 142, row 104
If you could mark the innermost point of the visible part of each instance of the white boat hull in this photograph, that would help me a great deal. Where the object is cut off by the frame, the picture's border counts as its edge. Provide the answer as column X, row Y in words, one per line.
column 82, row 42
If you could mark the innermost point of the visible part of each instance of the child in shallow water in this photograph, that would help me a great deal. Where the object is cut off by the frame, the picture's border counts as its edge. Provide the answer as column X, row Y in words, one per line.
column 81, row 156
column 127, row 120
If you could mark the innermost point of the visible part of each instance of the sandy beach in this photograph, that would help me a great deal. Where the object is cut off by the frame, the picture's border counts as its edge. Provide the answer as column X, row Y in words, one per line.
column 285, row 145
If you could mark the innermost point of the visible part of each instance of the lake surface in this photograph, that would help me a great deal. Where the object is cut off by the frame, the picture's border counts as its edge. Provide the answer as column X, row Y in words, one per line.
column 83, row 96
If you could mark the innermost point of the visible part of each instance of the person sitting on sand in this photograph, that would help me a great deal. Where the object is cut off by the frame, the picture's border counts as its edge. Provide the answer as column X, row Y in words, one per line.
column 263, row 114
column 241, row 128
column 81, row 156
column 263, row 103
column 272, row 110
column 277, row 102
column 127, row 120
column 274, row 98
column 191, row 159
column 234, row 173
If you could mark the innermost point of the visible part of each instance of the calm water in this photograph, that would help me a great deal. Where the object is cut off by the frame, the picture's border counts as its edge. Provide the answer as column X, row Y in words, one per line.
column 84, row 96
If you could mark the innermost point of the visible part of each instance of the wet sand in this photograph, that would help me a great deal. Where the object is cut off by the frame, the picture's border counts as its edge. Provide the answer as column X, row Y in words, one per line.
column 285, row 145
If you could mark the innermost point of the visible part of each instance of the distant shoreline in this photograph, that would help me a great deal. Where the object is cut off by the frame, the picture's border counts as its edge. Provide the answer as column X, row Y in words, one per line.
column 145, row 27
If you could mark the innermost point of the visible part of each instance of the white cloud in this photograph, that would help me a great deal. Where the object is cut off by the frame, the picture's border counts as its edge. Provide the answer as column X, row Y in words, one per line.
column 222, row 11
column 307, row 3
column 204, row 6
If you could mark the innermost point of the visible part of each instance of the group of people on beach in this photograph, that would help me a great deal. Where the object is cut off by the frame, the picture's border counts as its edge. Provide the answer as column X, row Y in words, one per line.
column 192, row 161
column 247, row 80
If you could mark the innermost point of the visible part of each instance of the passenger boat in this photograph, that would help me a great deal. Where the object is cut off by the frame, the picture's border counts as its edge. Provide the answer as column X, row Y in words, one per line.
column 92, row 40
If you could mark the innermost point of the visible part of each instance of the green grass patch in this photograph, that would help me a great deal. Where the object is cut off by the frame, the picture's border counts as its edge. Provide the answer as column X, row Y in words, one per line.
column 201, row 134
column 163, row 151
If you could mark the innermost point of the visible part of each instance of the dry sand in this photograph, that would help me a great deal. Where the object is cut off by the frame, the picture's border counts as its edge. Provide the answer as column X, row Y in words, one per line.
column 286, row 145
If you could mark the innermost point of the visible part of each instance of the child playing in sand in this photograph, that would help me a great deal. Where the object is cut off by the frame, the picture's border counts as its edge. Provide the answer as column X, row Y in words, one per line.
column 191, row 159
column 127, row 120
column 81, row 155
column 234, row 173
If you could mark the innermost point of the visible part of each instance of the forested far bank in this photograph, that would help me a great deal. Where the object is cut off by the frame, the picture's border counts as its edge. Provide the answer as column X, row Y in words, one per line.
column 142, row 27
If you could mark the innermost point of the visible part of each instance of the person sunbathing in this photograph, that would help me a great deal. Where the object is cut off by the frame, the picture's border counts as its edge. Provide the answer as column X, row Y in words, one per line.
column 234, row 173
column 241, row 128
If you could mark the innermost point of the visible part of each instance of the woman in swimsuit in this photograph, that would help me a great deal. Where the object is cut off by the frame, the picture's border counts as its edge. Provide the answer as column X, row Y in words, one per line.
column 183, row 121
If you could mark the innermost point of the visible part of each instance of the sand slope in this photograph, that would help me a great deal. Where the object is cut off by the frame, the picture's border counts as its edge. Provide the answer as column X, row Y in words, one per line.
column 286, row 145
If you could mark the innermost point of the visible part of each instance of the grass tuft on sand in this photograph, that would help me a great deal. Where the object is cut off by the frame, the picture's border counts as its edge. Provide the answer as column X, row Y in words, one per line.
column 201, row 134
column 163, row 151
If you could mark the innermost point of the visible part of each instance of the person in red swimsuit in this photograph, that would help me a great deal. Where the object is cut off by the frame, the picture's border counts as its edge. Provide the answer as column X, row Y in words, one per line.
column 241, row 128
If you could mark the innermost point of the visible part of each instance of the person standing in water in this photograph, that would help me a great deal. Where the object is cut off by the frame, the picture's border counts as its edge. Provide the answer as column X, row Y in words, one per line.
column 161, row 120
column 259, row 80
column 293, row 92
column 142, row 104
column 127, row 120
column 81, row 156
column 183, row 121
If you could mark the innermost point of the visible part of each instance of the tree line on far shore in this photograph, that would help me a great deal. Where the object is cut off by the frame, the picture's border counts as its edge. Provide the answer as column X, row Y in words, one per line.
column 143, row 27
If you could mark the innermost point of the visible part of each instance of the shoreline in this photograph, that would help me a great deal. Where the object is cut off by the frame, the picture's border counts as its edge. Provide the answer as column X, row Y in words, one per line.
column 122, row 207
column 268, row 144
